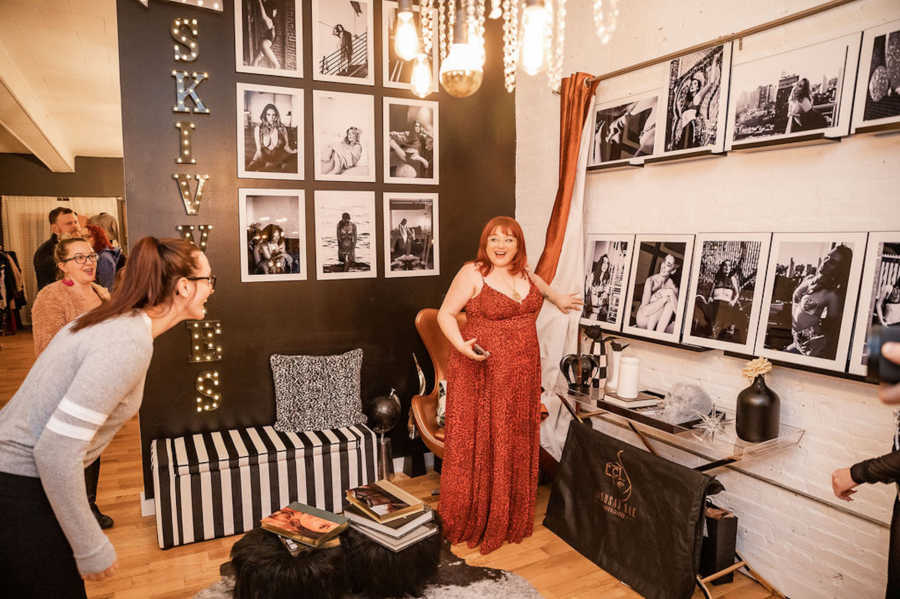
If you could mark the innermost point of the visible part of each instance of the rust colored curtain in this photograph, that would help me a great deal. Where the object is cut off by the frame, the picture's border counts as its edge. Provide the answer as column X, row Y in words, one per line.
column 575, row 99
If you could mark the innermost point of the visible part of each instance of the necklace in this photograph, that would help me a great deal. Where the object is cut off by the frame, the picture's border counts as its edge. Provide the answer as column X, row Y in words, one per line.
column 515, row 294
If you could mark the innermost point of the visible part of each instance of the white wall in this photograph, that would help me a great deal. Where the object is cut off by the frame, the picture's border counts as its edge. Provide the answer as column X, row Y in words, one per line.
column 804, row 548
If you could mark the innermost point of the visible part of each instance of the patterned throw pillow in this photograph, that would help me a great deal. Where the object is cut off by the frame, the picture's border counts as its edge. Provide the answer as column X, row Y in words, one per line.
column 317, row 392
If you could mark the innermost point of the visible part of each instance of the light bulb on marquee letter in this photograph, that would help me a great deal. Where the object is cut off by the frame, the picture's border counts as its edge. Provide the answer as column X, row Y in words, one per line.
column 183, row 181
column 185, row 152
column 182, row 93
column 184, row 32
column 207, row 386
column 187, row 233
column 203, row 344
column 406, row 38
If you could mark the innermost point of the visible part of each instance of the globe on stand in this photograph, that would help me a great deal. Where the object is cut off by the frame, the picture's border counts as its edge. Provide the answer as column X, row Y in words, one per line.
column 384, row 413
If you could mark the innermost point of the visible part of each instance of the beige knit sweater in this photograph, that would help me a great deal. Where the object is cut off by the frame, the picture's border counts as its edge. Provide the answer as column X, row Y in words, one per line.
column 55, row 306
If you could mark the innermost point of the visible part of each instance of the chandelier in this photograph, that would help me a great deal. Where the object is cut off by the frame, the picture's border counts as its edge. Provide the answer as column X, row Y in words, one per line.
column 533, row 38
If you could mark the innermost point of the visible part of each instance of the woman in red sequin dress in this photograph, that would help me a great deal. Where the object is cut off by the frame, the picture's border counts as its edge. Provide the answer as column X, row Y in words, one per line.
column 489, row 476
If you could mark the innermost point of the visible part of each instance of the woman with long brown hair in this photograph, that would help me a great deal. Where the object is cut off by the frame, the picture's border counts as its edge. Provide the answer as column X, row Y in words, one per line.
column 80, row 391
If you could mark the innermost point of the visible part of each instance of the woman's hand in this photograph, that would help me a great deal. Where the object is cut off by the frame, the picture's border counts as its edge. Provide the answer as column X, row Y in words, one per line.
column 842, row 484
column 467, row 350
column 101, row 575
column 568, row 302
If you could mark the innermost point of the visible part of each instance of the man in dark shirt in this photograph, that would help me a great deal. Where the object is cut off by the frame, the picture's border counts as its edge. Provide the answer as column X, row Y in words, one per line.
column 62, row 221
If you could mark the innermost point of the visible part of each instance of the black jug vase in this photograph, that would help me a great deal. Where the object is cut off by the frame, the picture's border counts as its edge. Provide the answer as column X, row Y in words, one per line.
column 758, row 412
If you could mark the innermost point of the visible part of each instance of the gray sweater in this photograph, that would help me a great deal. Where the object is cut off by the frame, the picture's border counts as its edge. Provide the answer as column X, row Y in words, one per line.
column 78, row 394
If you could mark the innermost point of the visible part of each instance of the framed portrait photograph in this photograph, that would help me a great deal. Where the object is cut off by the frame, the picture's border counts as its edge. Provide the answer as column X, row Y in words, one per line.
column 411, row 239
column 398, row 72
column 410, row 141
column 793, row 94
column 810, row 297
column 343, row 45
column 345, row 235
column 268, row 37
column 606, row 264
column 878, row 79
column 269, row 132
column 696, row 88
column 624, row 130
column 726, row 290
column 273, row 235
column 344, row 126
column 879, row 296
column 657, row 285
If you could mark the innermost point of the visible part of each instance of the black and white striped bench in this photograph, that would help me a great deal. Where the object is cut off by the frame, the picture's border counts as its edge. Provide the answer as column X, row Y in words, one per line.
column 212, row 485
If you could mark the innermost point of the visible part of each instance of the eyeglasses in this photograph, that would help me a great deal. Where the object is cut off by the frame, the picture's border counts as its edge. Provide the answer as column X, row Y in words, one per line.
column 81, row 258
column 211, row 279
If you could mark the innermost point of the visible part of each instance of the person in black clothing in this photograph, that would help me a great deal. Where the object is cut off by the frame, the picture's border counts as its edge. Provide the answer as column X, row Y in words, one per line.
column 62, row 221
column 884, row 469
column 803, row 117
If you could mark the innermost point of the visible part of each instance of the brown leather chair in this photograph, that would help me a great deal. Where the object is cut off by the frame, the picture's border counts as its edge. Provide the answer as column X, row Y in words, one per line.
column 424, row 407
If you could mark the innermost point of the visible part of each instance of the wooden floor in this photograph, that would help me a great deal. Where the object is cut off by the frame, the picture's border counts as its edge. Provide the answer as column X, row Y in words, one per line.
column 548, row 563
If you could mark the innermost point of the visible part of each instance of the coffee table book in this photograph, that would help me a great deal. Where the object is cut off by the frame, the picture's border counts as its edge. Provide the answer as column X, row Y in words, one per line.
column 305, row 524
column 384, row 501
column 395, row 528
column 396, row 545
column 643, row 400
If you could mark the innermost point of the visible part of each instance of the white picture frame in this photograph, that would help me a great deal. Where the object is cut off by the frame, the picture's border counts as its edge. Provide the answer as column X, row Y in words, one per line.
column 624, row 130
column 395, row 72
column 650, row 255
column 333, row 59
column 335, row 117
column 262, row 209
column 794, row 261
column 723, row 304
column 604, row 297
column 254, row 102
column 417, row 253
column 881, row 270
column 330, row 205
column 877, row 103
column 410, row 127
column 251, row 34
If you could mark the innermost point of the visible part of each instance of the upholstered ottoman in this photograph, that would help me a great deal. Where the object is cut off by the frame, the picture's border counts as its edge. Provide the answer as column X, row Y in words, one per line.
column 212, row 485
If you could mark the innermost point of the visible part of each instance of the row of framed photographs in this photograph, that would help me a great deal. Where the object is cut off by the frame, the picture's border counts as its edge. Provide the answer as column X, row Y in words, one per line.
column 787, row 296
column 274, row 236
column 270, row 142
column 832, row 89
column 269, row 41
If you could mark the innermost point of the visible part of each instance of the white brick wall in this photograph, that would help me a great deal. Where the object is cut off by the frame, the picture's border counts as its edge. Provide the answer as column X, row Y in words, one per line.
column 804, row 548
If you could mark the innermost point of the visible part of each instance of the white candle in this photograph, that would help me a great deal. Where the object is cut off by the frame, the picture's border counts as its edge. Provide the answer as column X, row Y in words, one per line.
column 628, row 377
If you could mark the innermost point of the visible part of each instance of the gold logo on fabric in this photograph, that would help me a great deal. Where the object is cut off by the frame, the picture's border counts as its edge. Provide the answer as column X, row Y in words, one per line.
column 618, row 506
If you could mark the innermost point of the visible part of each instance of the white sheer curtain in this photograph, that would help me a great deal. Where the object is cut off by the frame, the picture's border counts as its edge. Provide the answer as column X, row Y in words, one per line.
column 25, row 227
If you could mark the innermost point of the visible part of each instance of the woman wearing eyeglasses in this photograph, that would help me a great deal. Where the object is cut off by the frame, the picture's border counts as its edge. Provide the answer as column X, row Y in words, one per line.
column 85, row 385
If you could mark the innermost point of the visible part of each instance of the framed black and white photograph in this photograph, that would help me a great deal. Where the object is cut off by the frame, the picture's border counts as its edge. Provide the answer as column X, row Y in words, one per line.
column 726, row 290
column 343, row 41
column 879, row 296
column 345, row 235
column 268, row 37
column 657, row 285
column 793, row 94
column 606, row 264
column 411, row 235
column 810, row 297
column 398, row 72
column 273, row 235
column 269, row 132
column 410, row 141
column 624, row 130
column 696, row 88
column 878, row 80
column 344, row 126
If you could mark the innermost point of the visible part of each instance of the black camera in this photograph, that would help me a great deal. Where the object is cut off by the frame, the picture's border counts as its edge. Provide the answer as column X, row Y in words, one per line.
column 878, row 368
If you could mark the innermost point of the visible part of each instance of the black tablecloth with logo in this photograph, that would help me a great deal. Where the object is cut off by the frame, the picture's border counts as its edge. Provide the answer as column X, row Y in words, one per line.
column 636, row 515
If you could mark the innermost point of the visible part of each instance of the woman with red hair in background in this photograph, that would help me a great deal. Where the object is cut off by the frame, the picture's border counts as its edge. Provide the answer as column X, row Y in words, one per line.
column 107, row 255
column 489, row 477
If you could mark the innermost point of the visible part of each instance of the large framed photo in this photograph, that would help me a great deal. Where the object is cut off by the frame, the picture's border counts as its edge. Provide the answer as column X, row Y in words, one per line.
column 624, row 129
column 726, row 290
column 273, row 235
column 696, row 88
column 345, row 235
column 879, row 298
column 411, row 235
column 410, row 141
column 398, row 72
column 811, row 286
column 657, row 285
column 794, row 94
column 268, row 37
column 878, row 80
column 606, row 264
column 269, row 131
column 344, row 126
column 343, row 41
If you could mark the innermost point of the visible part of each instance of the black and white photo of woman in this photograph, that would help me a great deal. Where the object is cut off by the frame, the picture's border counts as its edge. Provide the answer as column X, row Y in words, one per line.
column 597, row 288
column 693, row 104
column 273, row 145
column 412, row 149
column 270, row 253
column 268, row 14
column 801, row 114
column 659, row 300
column 717, row 315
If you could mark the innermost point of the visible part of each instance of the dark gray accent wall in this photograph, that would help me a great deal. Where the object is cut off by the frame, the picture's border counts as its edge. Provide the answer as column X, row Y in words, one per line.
column 25, row 175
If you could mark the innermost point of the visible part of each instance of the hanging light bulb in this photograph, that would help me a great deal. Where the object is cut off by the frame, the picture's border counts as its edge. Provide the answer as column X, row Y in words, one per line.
column 421, row 76
column 462, row 70
column 535, row 28
column 406, row 38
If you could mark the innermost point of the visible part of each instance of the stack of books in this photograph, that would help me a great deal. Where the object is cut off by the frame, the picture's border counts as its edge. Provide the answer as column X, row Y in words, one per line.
column 303, row 528
column 389, row 515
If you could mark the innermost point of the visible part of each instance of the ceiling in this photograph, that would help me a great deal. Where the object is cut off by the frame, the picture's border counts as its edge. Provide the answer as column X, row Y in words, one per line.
column 59, row 80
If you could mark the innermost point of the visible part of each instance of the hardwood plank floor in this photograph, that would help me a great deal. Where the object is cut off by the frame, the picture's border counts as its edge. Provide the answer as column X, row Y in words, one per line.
column 556, row 570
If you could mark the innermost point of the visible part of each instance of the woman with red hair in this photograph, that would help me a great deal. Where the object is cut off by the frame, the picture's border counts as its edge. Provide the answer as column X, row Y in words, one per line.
column 107, row 256
column 489, row 477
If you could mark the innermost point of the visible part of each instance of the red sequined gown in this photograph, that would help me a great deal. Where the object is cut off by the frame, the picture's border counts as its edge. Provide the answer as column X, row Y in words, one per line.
column 489, row 476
